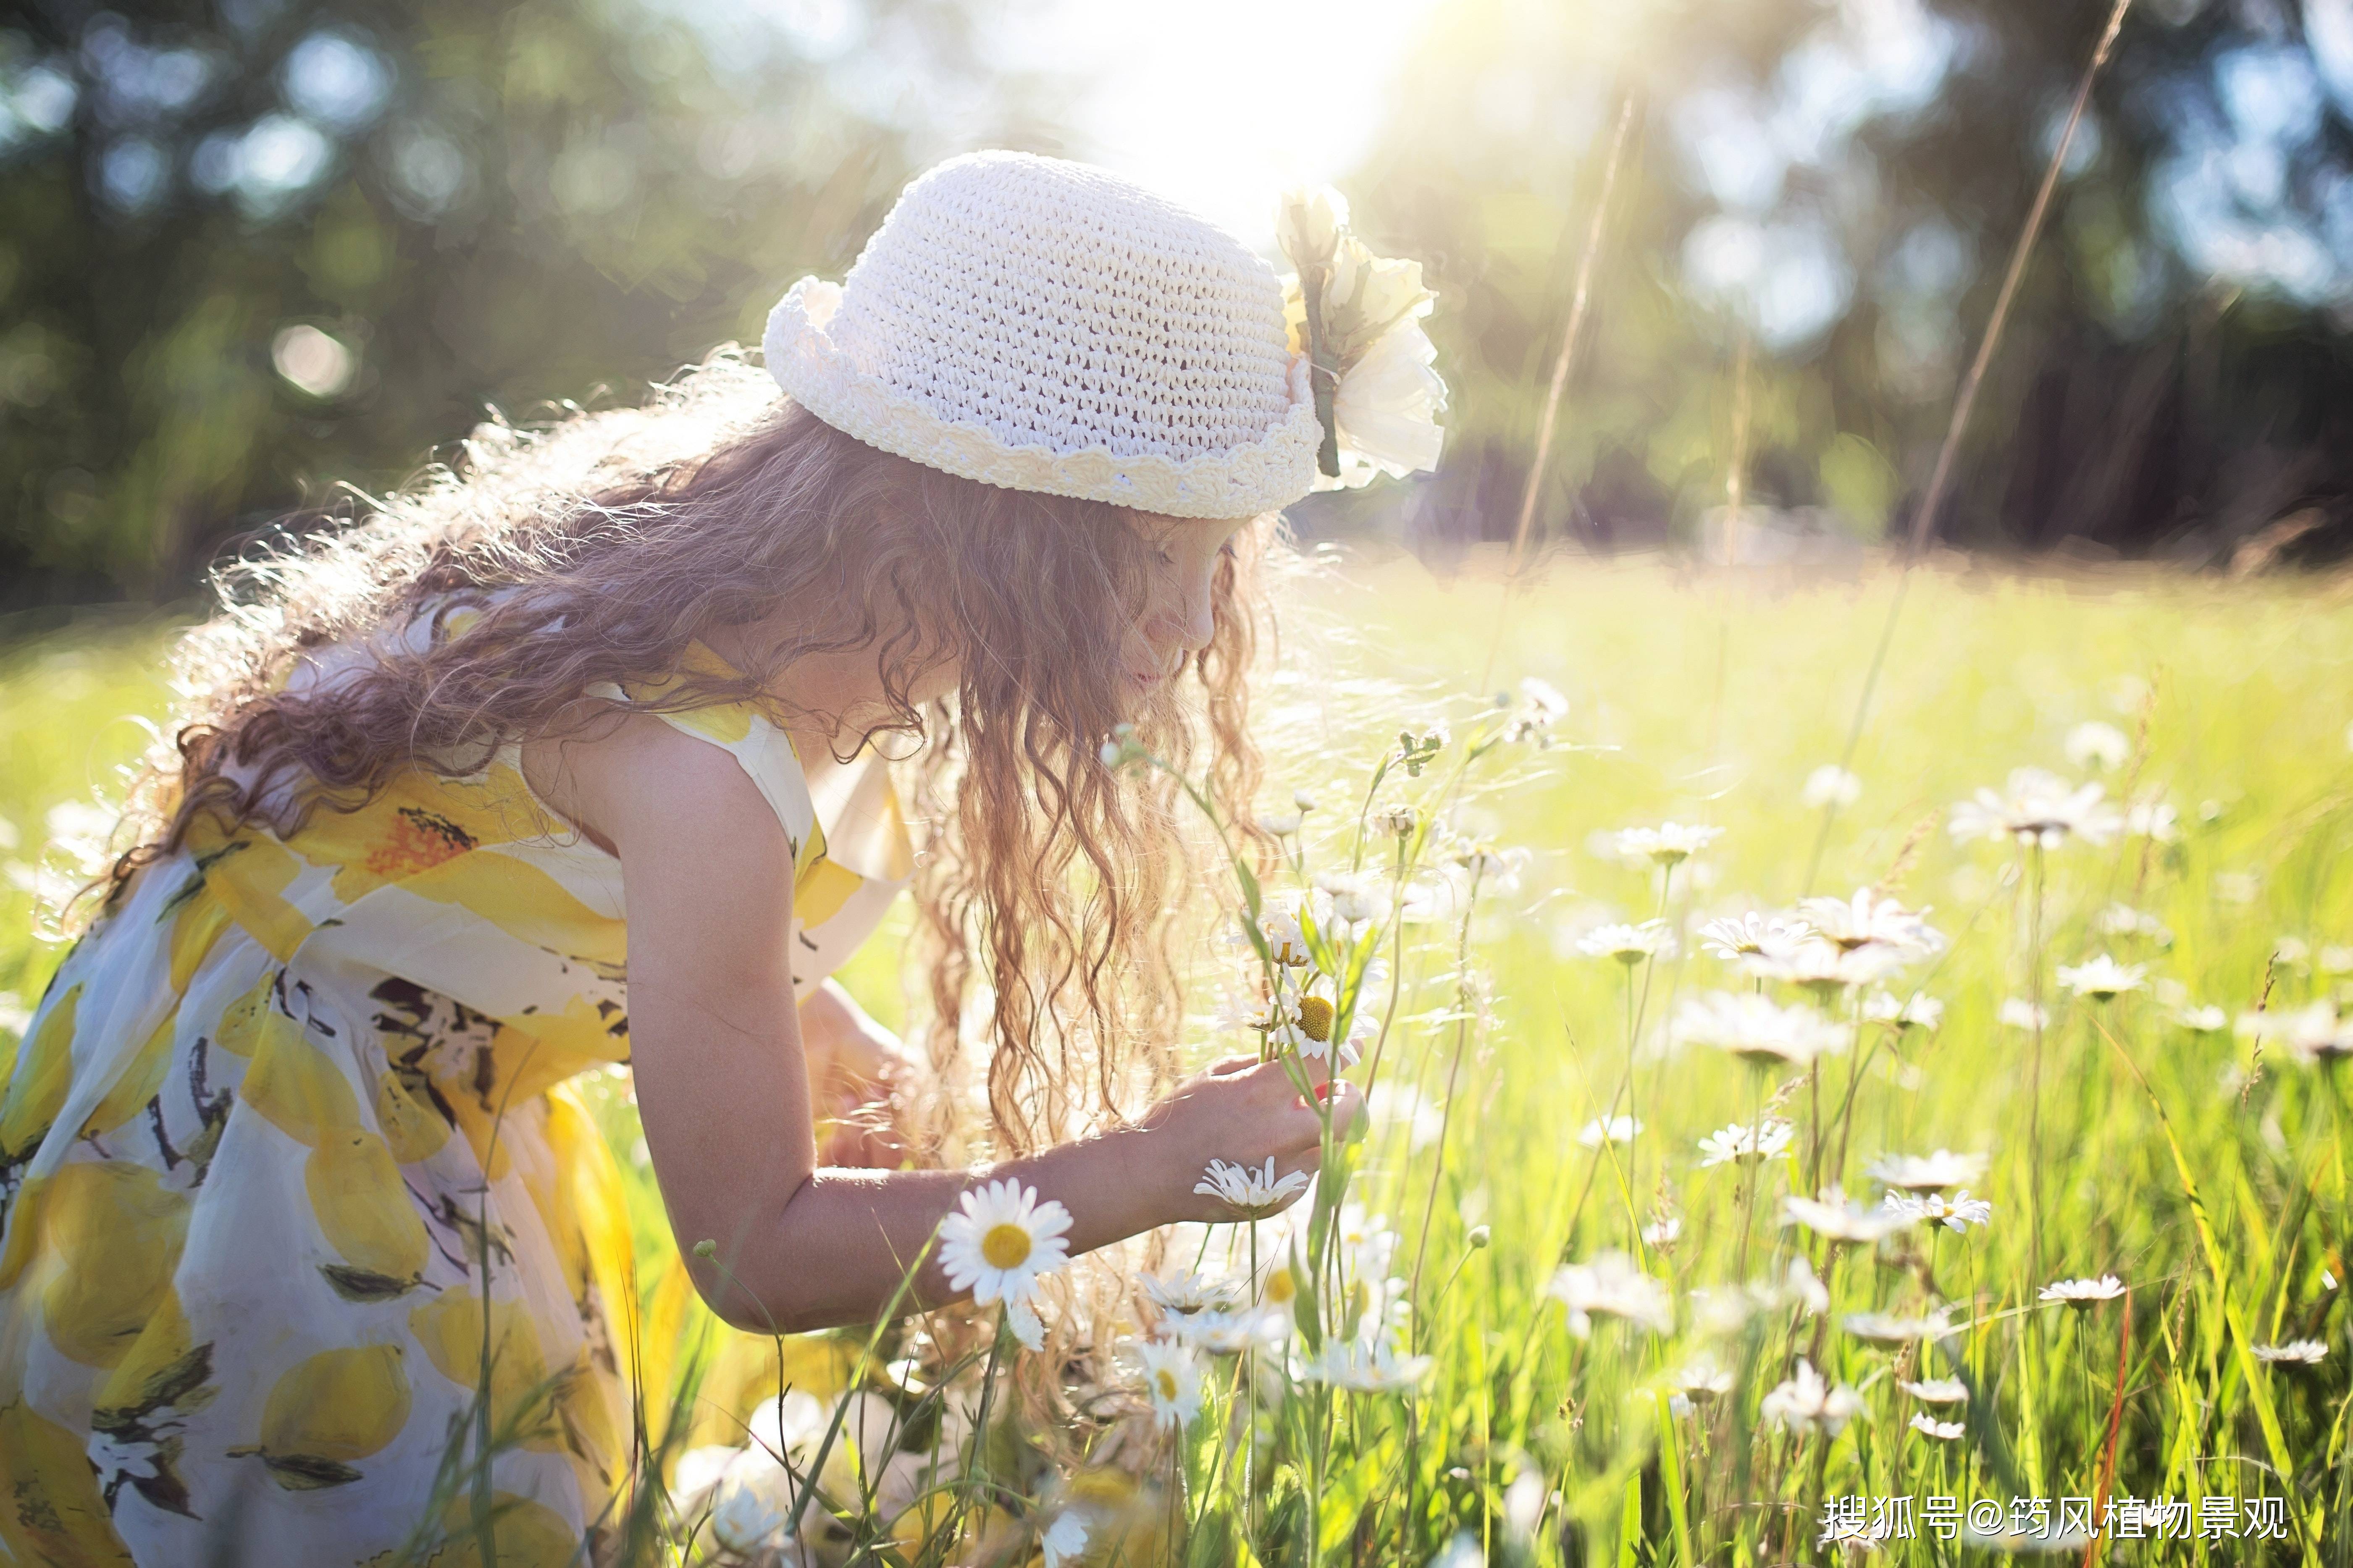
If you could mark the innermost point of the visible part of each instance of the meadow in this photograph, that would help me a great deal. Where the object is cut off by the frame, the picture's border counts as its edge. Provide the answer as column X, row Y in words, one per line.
column 1555, row 1305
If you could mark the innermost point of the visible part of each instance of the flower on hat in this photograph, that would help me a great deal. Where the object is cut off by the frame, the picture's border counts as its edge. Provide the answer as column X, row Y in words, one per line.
column 1356, row 327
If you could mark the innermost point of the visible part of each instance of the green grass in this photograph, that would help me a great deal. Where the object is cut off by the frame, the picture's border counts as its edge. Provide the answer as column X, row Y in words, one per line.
column 2209, row 1178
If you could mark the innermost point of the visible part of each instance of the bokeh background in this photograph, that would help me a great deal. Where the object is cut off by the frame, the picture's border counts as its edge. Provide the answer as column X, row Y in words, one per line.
column 253, row 250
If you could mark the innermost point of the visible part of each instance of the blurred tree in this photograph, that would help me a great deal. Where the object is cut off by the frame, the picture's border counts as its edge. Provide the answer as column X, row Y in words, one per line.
column 251, row 242
column 1841, row 184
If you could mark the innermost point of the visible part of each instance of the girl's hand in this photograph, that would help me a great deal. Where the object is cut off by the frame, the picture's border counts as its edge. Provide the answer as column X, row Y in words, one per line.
column 1243, row 1112
column 857, row 1073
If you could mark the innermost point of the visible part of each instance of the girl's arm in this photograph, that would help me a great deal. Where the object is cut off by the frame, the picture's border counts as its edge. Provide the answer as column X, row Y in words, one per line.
column 723, row 1091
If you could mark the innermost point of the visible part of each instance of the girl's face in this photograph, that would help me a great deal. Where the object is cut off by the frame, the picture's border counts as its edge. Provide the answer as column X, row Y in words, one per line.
column 1175, row 621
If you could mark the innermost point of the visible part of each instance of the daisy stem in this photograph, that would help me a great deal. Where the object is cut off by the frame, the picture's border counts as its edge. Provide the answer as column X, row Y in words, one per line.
column 1755, row 1169
column 2034, row 1070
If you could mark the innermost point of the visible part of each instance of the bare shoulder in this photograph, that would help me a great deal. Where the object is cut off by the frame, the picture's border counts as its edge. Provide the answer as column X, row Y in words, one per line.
column 637, row 781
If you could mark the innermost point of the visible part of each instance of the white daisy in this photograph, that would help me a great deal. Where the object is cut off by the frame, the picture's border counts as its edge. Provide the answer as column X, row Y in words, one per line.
column 1497, row 870
column 1826, row 968
column 1936, row 1390
column 1189, row 1292
column 1702, row 1379
column 1756, row 1030
column 2035, row 807
column 1285, row 943
column 2102, row 979
column 1769, row 1139
column 1805, row 1403
column 1663, row 1233
column 1617, row 1129
column 2099, row 746
column 2123, row 920
column 1888, row 1329
column 1833, row 1217
column 2153, row 819
column 1064, row 1540
column 1869, row 917
column 2312, row 1033
column 2018, row 1013
column 2083, row 1293
column 2207, row 1020
column 1021, row 1319
column 1912, row 1012
column 1925, row 1172
column 1943, row 1431
column 1829, row 784
column 2295, row 1353
column 1000, row 1239
column 1172, row 1380
column 1357, row 897
column 1399, row 821
column 1628, row 945
column 1957, row 1213
column 1366, row 1368
column 1736, row 937
column 1230, row 1334
column 1251, row 1194
column 1669, row 844
column 1612, row 1286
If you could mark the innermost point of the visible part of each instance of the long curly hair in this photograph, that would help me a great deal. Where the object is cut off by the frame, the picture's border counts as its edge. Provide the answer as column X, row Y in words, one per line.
column 1048, row 888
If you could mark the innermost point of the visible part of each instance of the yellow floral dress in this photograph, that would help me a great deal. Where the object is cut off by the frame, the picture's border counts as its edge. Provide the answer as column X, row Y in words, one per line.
column 287, row 1148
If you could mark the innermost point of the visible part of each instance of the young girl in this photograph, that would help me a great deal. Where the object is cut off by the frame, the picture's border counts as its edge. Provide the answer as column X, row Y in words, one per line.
column 579, row 759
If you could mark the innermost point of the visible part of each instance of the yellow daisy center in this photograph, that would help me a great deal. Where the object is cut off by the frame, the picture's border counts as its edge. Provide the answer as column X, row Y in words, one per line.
column 1005, row 1246
column 1279, row 1287
column 1315, row 1018
column 1166, row 1382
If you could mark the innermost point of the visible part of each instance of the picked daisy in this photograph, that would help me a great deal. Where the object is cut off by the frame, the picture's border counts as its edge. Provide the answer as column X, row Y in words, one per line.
column 1171, row 1381
column 1925, row 1172
column 1805, row 1403
column 1929, row 1426
column 1628, row 945
column 1832, row 1217
column 1611, row 1285
column 1758, row 1031
column 1957, row 1213
column 2102, row 979
column 1617, row 1129
column 2036, row 807
column 1000, row 1239
column 2083, row 1293
column 2295, row 1353
column 1768, row 1140
column 1669, row 844
column 1356, row 898
column 1936, row 1390
column 1250, row 1194
column 1285, row 943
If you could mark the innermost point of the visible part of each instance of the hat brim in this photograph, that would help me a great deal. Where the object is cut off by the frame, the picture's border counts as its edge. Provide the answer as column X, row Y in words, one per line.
column 1244, row 481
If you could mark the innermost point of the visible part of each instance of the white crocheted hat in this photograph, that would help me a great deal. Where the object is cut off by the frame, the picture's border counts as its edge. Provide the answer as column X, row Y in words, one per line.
column 1042, row 325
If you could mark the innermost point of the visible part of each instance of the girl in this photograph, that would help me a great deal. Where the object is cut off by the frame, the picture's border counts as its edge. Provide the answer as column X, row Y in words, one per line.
column 580, row 759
